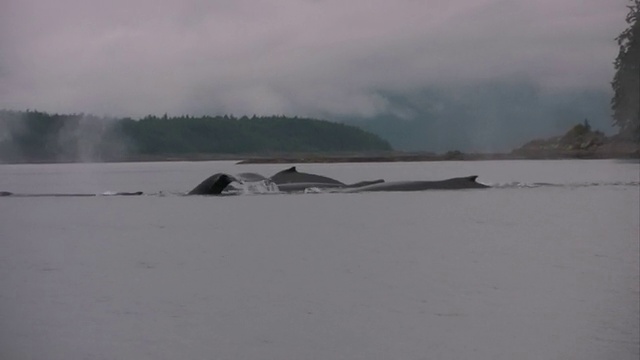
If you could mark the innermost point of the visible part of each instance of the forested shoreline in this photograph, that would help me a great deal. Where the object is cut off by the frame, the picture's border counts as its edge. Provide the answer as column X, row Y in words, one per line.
column 32, row 136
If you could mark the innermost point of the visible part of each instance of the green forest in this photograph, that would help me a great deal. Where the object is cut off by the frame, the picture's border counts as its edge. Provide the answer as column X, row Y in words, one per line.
column 32, row 136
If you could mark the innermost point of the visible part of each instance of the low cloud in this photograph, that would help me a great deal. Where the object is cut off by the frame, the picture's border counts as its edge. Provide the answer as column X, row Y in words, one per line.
column 309, row 58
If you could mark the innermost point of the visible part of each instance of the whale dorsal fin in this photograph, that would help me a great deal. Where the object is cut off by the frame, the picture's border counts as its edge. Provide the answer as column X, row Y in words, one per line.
column 291, row 175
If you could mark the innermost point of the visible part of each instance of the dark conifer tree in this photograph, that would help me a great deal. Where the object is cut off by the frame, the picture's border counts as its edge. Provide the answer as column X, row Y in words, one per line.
column 626, row 81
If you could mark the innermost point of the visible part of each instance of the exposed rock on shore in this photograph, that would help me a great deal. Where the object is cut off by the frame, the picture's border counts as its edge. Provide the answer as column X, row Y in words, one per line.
column 580, row 142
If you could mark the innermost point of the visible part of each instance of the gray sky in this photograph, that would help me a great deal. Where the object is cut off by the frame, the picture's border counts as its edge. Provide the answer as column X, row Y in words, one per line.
column 293, row 57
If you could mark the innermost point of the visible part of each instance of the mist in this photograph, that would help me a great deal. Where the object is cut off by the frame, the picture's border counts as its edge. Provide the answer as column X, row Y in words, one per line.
column 326, row 59
column 489, row 117
column 29, row 136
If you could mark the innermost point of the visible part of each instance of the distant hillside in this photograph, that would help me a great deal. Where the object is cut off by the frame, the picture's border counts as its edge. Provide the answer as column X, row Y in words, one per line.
column 487, row 117
column 40, row 137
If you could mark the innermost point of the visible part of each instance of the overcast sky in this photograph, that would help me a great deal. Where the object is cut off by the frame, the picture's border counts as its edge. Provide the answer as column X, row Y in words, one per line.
column 293, row 57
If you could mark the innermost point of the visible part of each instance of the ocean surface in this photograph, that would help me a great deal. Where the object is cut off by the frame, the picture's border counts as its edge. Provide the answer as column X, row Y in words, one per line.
column 544, row 265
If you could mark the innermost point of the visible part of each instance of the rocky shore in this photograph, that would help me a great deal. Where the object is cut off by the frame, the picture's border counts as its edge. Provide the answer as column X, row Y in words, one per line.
column 580, row 142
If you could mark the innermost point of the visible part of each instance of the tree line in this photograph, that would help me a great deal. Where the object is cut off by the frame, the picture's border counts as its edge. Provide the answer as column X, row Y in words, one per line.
column 37, row 136
column 626, row 81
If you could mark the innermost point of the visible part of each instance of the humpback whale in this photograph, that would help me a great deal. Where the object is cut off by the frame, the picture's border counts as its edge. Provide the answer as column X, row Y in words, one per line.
column 467, row 182
column 213, row 185
column 291, row 175
column 291, row 180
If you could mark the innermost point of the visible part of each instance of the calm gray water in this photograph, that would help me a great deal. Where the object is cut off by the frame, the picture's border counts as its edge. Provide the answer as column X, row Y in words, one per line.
column 543, row 266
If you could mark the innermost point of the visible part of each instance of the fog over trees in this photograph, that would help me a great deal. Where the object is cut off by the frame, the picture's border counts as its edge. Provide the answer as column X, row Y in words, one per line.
column 626, row 81
column 41, row 137
column 486, row 117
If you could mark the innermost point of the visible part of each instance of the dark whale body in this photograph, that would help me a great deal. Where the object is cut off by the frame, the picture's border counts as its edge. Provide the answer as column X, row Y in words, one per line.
column 467, row 182
column 290, row 180
column 213, row 185
column 292, row 176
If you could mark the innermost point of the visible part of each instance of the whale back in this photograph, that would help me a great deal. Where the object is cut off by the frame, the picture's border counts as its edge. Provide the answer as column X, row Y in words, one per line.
column 291, row 175
column 250, row 177
column 467, row 182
